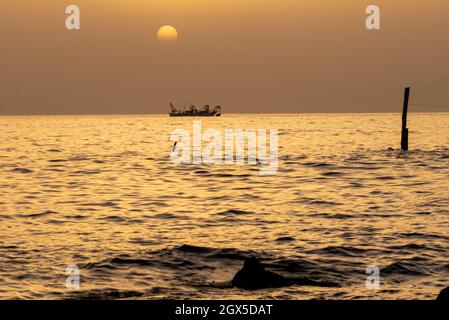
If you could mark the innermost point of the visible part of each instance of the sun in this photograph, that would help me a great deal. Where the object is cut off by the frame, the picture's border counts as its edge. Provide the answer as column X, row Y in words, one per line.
column 167, row 34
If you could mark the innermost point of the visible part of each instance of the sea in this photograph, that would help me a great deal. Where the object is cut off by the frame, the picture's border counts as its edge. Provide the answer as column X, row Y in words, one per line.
column 93, row 207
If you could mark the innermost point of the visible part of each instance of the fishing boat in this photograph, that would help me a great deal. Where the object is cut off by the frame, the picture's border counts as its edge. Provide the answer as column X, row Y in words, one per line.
column 193, row 111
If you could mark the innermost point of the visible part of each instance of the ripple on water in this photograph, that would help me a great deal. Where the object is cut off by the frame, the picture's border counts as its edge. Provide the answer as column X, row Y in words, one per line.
column 407, row 268
column 86, row 172
column 37, row 215
column 234, row 212
column 346, row 251
column 22, row 170
column 101, row 204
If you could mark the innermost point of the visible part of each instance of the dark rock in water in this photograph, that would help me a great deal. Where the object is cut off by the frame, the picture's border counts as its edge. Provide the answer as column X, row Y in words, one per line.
column 193, row 249
column 254, row 276
column 444, row 295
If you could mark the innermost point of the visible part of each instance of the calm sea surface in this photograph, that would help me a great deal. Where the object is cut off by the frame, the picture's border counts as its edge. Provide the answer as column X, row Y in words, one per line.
column 101, row 193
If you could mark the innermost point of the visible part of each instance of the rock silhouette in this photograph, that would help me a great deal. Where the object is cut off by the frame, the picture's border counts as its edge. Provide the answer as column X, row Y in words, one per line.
column 444, row 295
column 253, row 276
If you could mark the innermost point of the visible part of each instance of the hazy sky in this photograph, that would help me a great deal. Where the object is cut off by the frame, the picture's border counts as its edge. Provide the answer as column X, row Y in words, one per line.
column 248, row 55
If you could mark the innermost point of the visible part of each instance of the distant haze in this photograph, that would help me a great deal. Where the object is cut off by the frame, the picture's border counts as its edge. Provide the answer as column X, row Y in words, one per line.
column 248, row 56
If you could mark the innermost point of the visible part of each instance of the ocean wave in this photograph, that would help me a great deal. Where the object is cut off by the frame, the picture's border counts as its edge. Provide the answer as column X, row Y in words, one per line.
column 408, row 268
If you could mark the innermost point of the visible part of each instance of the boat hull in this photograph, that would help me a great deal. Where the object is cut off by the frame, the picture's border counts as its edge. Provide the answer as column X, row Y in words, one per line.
column 194, row 112
column 194, row 115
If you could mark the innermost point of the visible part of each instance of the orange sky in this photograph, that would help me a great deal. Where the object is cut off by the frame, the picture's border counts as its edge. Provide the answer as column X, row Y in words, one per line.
column 249, row 56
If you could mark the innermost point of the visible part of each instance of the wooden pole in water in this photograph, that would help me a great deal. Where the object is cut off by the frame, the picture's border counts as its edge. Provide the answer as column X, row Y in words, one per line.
column 404, row 136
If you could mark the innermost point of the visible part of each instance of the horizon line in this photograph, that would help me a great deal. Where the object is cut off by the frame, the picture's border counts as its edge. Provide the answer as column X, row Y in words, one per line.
column 239, row 113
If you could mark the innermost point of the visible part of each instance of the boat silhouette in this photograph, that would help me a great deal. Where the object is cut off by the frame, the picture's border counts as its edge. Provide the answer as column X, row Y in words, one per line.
column 193, row 111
